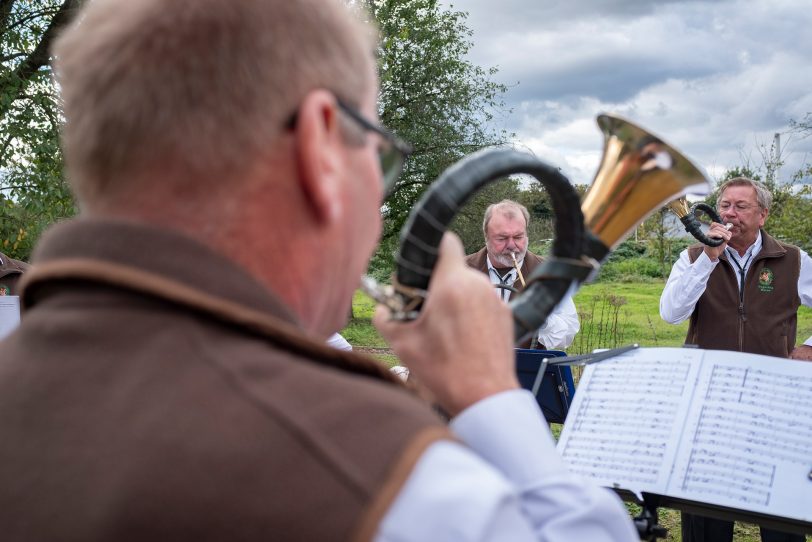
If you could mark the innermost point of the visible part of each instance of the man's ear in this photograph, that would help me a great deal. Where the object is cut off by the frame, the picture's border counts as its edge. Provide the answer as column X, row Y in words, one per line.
column 764, row 214
column 319, row 152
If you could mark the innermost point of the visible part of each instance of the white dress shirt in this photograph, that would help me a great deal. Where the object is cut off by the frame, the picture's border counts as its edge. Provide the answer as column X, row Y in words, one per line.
column 336, row 340
column 687, row 281
column 561, row 325
column 506, row 482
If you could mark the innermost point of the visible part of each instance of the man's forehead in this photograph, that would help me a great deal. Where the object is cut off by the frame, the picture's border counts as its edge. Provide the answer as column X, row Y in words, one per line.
column 502, row 222
column 739, row 192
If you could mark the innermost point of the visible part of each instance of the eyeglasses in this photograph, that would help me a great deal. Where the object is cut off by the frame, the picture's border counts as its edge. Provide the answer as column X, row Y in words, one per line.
column 392, row 151
column 739, row 207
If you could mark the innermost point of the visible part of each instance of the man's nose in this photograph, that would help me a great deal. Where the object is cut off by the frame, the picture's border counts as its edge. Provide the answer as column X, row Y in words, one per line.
column 727, row 213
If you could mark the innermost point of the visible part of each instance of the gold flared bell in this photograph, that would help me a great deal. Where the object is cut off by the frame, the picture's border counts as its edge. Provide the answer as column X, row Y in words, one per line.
column 639, row 173
column 679, row 207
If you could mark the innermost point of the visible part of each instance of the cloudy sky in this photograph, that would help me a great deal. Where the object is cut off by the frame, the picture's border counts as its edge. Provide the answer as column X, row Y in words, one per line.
column 717, row 79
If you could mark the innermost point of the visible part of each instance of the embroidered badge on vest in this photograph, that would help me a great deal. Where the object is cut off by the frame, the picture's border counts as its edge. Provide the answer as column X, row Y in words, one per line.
column 765, row 280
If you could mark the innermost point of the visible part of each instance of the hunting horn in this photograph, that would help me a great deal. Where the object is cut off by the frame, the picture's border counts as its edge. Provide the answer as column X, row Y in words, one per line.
column 638, row 174
column 687, row 215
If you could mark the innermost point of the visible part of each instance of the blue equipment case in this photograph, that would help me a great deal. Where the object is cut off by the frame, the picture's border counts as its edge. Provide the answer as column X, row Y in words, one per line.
column 556, row 389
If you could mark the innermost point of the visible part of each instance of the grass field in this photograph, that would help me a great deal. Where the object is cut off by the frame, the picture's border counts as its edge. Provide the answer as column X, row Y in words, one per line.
column 611, row 314
column 638, row 307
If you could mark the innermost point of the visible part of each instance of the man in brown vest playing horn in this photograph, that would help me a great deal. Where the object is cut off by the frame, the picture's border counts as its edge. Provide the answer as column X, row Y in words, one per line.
column 170, row 378
column 742, row 295
column 506, row 261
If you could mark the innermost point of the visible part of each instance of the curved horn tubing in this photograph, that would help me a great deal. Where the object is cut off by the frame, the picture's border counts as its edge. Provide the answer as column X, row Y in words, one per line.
column 693, row 226
column 429, row 220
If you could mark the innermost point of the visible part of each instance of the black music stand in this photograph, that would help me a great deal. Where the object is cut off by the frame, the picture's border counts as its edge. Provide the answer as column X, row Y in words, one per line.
column 552, row 385
column 648, row 529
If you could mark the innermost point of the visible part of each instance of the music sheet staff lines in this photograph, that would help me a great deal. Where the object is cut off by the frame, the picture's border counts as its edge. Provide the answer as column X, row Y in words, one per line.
column 757, row 434
column 712, row 429
column 751, row 420
column 638, row 461
column 626, row 419
column 735, row 476
column 627, row 378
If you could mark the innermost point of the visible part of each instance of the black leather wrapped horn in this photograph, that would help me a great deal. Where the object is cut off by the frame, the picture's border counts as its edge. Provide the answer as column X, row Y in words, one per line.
column 420, row 237
column 687, row 216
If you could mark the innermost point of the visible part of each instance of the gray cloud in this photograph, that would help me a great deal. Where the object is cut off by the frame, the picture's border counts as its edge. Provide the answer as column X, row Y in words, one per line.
column 717, row 79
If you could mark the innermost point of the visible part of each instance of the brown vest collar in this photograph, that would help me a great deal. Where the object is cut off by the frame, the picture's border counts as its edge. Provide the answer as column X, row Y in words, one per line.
column 182, row 283
column 277, row 331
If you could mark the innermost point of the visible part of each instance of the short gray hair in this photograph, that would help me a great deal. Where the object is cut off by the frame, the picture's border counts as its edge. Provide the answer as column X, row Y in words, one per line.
column 195, row 90
column 507, row 207
column 763, row 196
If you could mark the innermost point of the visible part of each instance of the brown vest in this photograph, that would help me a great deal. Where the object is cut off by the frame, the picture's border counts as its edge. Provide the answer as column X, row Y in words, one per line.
column 763, row 319
column 11, row 271
column 479, row 260
column 155, row 391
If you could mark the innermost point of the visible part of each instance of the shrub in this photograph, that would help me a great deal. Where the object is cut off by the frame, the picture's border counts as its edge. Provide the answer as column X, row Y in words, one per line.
column 629, row 249
column 637, row 269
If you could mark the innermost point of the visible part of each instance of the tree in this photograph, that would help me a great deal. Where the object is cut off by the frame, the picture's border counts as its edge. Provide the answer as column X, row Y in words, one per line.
column 803, row 126
column 795, row 220
column 789, row 219
column 432, row 97
column 732, row 173
column 542, row 216
column 32, row 189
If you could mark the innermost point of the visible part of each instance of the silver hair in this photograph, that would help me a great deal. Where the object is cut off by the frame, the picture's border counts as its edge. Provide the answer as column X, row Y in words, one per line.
column 763, row 196
column 508, row 208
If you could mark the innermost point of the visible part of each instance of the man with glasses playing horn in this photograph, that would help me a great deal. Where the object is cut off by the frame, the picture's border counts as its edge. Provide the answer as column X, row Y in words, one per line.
column 170, row 379
column 506, row 261
column 744, row 296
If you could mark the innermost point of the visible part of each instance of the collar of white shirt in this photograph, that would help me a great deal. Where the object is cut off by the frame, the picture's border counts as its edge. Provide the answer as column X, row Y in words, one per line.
column 508, row 279
column 751, row 252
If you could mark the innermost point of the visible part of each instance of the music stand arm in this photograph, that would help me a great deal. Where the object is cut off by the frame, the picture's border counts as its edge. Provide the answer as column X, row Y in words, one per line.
column 587, row 359
column 539, row 377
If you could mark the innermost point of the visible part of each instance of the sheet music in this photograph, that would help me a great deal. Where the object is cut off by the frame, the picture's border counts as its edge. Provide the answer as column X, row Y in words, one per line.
column 9, row 314
column 749, row 439
column 627, row 422
column 709, row 426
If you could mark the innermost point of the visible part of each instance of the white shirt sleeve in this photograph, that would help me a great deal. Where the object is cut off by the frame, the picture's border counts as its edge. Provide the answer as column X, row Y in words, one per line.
column 561, row 325
column 336, row 340
column 508, row 484
column 805, row 285
column 685, row 286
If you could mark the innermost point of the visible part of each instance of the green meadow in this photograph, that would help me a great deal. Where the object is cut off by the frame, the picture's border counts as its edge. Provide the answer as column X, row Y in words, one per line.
column 611, row 314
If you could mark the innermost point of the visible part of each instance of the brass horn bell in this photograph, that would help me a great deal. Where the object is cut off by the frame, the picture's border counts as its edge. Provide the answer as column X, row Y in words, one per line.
column 638, row 174
column 687, row 215
column 679, row 207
